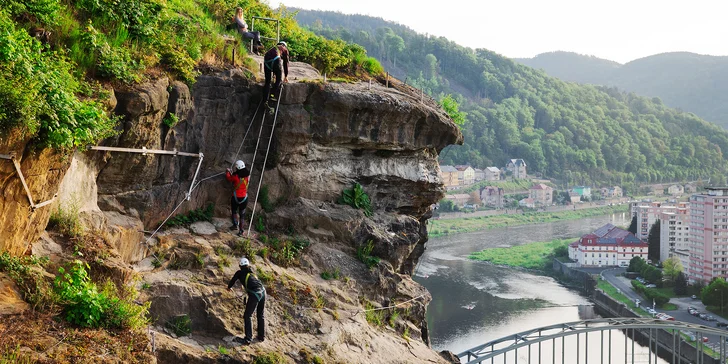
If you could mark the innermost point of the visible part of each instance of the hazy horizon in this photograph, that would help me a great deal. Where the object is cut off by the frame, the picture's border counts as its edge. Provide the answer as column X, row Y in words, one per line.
column 527, row 28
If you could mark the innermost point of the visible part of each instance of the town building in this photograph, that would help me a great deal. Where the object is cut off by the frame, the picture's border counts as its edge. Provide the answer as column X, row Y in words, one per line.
column 611, row 192
column 574, row 197
column 517, row 167
column 657, row 190
column 449, row 176
column 492, row 174
column 708, row 235
column 466, row 175
column 479, row 174
column 675, row 190
column 459, row 199
column 690, row 188
column 674, row 233
column 541, row 194
column 492, row 196
column 607, row 246
column 583, row 191
column 647, row 213
column 527, row 202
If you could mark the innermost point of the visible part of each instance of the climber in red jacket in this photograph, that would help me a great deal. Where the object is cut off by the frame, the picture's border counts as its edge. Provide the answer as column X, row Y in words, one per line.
column 239, row 201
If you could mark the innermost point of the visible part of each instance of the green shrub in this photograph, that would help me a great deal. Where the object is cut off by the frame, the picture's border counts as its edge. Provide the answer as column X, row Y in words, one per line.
column 264, row 200
column 33, row 286
column 84, row 305
column 260, row 224
column 363, row 253
column 326, row 275
column 373, row 316
column 66, row 220
column 357, row 198
column 180, row 325
column 47, row 107
column 269, row 358
column 195, row 215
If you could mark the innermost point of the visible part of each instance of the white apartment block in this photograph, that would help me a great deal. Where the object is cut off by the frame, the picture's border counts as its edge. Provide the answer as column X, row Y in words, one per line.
column 674, row 233
column 708, row 235
column 647, row 214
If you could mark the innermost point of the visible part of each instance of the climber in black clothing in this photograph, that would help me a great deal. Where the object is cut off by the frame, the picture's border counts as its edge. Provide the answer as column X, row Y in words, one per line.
column 255, row 301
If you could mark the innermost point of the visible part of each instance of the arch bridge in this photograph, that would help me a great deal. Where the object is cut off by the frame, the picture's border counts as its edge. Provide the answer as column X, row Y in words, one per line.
column 609, row 340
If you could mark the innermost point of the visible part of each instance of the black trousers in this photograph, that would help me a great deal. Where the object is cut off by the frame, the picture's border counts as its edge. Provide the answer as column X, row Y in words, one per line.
column 258, row 306
column 238, row 209
column 276, row 68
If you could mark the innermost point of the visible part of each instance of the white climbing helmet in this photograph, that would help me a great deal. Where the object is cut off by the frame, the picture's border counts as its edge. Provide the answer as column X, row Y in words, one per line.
column 244, row 262
column 283, row 44
column 239, row 165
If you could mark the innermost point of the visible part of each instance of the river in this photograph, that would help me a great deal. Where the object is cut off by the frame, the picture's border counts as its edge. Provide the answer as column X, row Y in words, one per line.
column 474, row 302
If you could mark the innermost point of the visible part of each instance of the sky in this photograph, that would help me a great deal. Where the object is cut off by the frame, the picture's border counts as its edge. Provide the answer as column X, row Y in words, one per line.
column 618, row 30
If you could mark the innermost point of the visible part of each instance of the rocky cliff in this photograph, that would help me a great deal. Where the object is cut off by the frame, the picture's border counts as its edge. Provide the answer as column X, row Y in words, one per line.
column 328, row 136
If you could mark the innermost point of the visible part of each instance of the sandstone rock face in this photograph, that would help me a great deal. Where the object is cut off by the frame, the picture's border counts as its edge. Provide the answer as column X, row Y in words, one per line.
column 43, row 170
column 327, row 138
column 11, row 302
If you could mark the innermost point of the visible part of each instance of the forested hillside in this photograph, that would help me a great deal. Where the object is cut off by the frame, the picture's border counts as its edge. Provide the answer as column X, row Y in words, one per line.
column 589, row 134
column 692, row 82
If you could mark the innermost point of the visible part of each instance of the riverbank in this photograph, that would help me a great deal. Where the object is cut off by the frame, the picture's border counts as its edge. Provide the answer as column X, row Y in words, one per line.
column 470, row 224
column 536, row 255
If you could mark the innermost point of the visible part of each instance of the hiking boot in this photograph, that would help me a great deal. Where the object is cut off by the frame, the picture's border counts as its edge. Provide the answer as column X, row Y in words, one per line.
column 241, row 232
column 242, row 340
column 261, row 339
column 234, row 227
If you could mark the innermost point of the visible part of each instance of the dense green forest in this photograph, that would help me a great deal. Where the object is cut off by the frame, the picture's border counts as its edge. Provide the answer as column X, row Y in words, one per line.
column 587, row 134
column 59, row 59
column 693, row 82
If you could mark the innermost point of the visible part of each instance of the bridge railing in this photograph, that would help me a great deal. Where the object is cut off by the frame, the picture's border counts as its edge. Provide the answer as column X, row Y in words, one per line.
column 569, row 343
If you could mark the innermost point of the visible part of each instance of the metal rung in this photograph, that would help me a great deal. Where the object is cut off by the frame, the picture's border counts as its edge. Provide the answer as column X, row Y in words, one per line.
column 144, row 150
column 7, row 156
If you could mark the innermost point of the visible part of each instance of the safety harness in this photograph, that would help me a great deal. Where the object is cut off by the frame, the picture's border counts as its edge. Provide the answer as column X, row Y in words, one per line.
column 269, row 63
column 235, row 195
column 258, row 295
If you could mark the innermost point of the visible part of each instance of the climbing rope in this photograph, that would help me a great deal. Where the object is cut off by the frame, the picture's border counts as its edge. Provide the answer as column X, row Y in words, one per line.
column 194, row 185
column 265, row 160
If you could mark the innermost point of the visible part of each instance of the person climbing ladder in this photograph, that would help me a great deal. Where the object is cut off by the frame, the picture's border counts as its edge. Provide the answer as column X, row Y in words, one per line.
column 275, row 61
column 254, row 302
column 239, row 201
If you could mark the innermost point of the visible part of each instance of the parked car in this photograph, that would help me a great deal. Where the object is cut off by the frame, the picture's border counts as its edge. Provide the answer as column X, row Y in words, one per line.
column 703, row 316
column 694, row 297
column 651, row 312
column 710, row 318
column 651, row 286
column 721, row 324
column 695, row 313
column 705, row 339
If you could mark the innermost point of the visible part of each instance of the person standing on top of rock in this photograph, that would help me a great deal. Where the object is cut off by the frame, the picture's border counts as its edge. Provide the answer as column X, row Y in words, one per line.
column 242, row 27
column 275, row 61
column 239, row 201
column 255, row 301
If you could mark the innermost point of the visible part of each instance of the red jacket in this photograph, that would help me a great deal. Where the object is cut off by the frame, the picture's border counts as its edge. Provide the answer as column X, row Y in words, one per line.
column 240, row 180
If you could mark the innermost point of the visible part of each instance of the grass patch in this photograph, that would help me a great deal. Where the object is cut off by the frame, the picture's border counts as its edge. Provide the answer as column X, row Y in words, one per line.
column 669, row 307
column 65, row 219
column 364, row 254
column 201, row 214
column 533, row 255
column 180, row 325
column 611, row 291
column 468, row 224
column 269, row 358
column 373, row 317
column 326, row 275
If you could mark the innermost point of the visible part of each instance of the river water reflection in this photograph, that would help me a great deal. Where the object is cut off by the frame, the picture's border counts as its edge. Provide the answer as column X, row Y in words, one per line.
column 475, row 302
